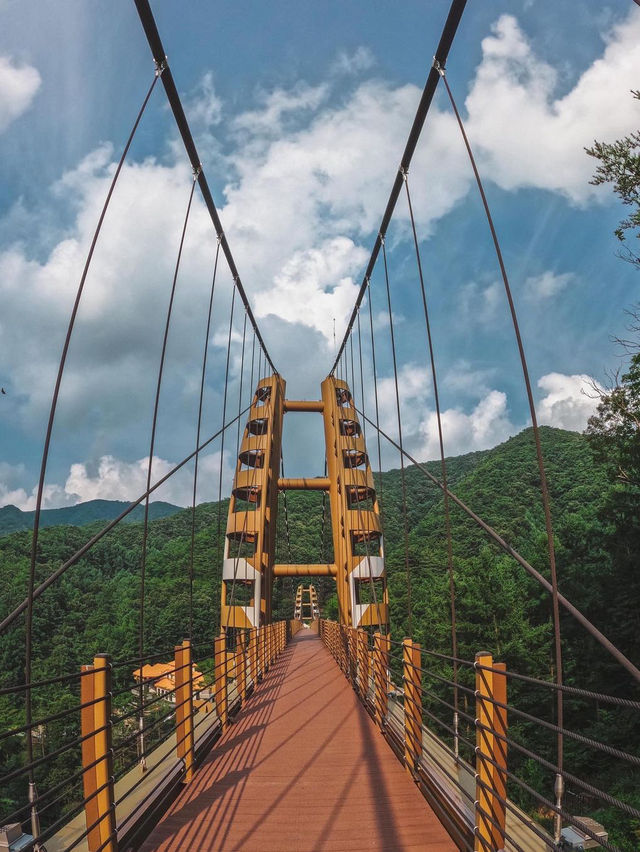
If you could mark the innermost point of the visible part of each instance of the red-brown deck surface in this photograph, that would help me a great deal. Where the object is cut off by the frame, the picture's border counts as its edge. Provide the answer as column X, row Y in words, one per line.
column 302, row 768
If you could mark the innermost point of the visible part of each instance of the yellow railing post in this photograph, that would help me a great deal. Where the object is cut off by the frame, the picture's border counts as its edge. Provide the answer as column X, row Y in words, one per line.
column 87, row 727
column 184, row 706
column 485, row 752
column 500, row 754
column 220, row 688
column 381, row 677
column 363, row 664
column 97, row 749
column 412, row 679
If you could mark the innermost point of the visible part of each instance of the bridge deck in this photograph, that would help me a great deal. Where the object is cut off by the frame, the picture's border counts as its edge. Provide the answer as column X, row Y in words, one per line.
column 303, row 767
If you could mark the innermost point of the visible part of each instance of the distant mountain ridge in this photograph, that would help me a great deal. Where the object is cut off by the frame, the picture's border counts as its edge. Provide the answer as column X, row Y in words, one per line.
column 13, row 519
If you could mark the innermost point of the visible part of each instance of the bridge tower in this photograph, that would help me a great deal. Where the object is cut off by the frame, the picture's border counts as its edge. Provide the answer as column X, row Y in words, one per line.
column 249, row 552
column 249, row 567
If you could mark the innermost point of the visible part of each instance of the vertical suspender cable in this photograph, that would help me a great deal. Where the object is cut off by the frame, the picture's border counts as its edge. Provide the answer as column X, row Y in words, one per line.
column 375, row 392
column 224, row 415
column 372, row 585
column 443, row 469
column 402, row 470
column 145, row 528
column 195, row 469
column 540, row 460
column 47, row 444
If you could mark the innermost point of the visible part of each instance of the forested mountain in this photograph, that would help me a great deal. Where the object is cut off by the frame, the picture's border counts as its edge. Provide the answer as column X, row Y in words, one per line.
column 13, row 519
column 94, row 607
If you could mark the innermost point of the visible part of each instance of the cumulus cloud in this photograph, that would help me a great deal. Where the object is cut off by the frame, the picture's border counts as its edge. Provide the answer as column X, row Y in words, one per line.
column 547, row 285
column 308, row 183
column 482, row 424
column 354, row 63
column 18, row 87
column 525, row 134
column 115, row 479
column 569, row 401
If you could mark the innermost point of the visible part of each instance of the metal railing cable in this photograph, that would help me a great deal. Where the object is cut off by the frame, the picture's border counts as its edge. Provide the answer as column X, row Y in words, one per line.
column 507, row 548
column 154, row 424
column 9, row 619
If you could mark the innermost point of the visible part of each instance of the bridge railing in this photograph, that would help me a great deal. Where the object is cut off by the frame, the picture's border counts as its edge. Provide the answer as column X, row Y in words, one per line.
column 467, row 766
column 123, row 759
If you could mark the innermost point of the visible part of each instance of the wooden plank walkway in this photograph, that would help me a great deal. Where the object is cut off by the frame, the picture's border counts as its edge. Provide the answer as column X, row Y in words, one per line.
column 303, row 768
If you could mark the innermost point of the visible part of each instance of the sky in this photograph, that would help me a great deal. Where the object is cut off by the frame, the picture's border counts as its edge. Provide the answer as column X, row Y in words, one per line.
column 300, row 112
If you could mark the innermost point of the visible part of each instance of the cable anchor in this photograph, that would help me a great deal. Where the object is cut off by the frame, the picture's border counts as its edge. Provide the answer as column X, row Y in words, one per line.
column 438, row 67
column 161, row 66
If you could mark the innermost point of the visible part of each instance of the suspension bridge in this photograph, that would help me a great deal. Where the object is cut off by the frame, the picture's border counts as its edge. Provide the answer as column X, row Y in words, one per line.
column 306, row 733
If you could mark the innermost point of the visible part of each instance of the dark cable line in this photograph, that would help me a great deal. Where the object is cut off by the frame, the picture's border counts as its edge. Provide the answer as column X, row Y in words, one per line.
column 195, row 469
column 446, row 40
column 544, row 490
column 224, row 414
column 246, row 516
column 537, row 576
column 399, row 417
column 52, row 414
column 372, row 585
column 145, row 527
column 157, row 50
column 375, row 392
column 443, row 463
column 9, row 619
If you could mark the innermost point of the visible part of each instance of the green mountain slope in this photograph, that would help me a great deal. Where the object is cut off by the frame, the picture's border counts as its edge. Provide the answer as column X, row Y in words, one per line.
column 13, row 519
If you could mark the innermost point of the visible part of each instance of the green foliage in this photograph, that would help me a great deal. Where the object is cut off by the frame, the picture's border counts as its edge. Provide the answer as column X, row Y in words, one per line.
column 620, row 166
column 94, row 607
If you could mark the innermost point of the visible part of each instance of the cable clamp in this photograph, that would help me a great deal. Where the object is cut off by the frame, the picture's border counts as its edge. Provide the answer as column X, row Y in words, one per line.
column 381, row 237
column 197, row 171
column 439, row 68
column 404, row 172
column 161, row 66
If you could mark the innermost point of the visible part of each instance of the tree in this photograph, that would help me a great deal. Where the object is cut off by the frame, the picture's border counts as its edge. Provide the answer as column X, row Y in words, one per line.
column 620, row 165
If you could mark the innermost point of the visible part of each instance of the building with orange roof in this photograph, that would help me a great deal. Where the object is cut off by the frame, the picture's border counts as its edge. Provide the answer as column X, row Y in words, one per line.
column 160, row 679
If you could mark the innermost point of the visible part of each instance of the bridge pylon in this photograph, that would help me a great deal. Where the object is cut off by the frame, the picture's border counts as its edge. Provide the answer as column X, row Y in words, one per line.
column 249, row 567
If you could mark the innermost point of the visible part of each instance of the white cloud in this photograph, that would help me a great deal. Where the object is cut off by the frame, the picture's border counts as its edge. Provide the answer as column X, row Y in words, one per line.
column 481, row 304
column 18, row 87
column 528, row 137
column 313, row 288
column 114, row 479
column 362, row 59
column 546, row 285
column 569, row 401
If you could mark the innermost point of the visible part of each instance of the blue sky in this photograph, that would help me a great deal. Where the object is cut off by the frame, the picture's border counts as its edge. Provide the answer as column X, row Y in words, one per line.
column 300, row 112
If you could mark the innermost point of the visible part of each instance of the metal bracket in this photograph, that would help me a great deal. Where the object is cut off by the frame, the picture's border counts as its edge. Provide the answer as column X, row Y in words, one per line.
column 439, row 68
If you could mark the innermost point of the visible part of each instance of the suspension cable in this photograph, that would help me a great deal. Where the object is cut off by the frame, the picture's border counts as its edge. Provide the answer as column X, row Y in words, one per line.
column 372, row 585
column 443, row 463
column 156, row 404
column 507, row 548
column 195, row 469
column 446, row 40
column 52, row 414
column 224, row 414
column 399, row 417
column 544, row 490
